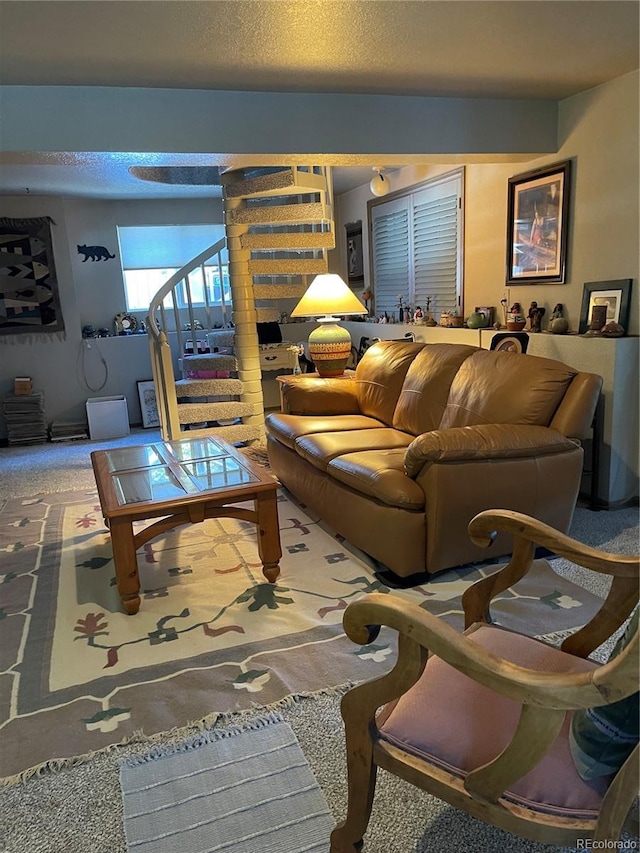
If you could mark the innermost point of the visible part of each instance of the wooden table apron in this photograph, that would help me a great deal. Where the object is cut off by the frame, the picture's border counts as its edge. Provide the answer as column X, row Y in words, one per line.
column 190, row 509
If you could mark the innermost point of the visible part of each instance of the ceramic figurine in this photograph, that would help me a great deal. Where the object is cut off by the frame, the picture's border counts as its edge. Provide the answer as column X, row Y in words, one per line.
column 535, row 317
column 559, row 325
column 515, row 318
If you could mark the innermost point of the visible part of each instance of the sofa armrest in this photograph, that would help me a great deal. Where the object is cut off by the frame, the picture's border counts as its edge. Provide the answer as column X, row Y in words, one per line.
column 315, row 395
column 484, row 441
column 574, row 415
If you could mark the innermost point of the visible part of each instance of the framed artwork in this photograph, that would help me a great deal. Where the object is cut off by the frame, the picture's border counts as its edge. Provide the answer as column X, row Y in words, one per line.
column 537, row 223
column 488, row 313
column 611, row 299
column 148, row 404
column 355, row 263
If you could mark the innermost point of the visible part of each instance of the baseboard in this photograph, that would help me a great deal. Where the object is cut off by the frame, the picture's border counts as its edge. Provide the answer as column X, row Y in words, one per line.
column 584, row 501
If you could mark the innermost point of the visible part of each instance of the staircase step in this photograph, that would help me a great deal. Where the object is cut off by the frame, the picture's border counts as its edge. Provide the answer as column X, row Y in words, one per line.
column 287, row 266
column 278, row 214
column 286, row 182
column 267, row 315
column 279, row 291
column 208, row 361
column 208, row 387
column 221, row 338
column 289, row 240
column 194, row 413
column 234, row 433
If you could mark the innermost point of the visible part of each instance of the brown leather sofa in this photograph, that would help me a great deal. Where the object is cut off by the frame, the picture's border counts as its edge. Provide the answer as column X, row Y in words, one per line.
column 401, row 455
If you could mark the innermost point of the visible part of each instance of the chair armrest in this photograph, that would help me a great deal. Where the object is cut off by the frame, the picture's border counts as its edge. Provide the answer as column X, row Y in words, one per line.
column 315, row 395
column 483, row 441
column 527, row 532
column 567, row 691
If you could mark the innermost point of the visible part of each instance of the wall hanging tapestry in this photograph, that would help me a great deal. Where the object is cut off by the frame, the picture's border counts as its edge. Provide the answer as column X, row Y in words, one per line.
column 29, row 299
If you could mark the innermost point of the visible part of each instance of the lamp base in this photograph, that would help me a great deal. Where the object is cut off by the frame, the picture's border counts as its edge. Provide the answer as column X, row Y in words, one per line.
column 329, row 347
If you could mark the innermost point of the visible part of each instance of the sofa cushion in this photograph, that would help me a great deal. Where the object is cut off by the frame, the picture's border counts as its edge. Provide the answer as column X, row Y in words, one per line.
column 380, row 376
column 286, row 428
column 380, row 475
column 435, row 720
column 320, row 449
column 425, row 392
column 506, row 388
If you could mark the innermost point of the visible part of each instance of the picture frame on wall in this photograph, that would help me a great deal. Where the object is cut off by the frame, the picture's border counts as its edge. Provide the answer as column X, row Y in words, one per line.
column 615, row 295
column 148, row 403
column 355, row 261
column 537, row 225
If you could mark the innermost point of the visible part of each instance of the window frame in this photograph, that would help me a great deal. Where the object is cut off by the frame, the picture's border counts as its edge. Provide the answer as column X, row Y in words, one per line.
column 406, row 197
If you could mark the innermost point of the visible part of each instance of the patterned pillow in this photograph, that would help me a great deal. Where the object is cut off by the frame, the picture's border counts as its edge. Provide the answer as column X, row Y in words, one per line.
column 601, row 739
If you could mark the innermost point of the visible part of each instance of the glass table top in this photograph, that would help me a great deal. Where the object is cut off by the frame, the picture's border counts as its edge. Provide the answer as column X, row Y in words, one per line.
column 153, row 484
column 169, row 470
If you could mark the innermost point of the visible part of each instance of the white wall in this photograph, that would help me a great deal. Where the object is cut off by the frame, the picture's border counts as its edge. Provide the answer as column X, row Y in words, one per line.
column 91, row 293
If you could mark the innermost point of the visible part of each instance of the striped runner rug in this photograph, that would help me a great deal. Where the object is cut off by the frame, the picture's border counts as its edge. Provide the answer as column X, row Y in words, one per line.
column 235, row 790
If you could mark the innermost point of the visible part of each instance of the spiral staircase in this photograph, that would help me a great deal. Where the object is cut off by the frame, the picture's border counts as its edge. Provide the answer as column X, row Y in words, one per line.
column 279, row 227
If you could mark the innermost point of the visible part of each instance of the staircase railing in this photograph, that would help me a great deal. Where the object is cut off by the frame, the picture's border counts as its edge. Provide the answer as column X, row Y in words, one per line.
column 158, row 328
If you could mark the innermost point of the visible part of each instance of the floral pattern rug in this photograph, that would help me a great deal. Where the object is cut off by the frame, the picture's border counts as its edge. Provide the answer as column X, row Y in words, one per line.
column 78, row 675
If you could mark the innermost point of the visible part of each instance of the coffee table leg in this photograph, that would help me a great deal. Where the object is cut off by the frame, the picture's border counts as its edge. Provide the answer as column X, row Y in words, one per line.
column 268, row 535
column 124, row 558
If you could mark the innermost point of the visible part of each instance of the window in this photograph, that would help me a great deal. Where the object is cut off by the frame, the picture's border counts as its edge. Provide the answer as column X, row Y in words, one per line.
column 416, row 247
column 152, row 254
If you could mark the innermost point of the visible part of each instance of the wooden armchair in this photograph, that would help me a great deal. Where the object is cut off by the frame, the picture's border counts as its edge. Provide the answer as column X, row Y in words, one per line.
column 482, row 719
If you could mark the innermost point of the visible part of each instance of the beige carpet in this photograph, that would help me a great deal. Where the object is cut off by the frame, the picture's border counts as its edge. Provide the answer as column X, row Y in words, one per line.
column 78, row 675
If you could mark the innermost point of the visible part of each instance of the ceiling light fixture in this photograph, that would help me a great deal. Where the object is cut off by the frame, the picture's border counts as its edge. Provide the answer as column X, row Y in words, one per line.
column 379, row 185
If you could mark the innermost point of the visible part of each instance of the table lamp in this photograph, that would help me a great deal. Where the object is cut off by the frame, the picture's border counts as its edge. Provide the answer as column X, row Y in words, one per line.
column 329, row 344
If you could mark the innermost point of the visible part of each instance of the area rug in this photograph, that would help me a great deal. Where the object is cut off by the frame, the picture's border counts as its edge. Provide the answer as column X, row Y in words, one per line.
column 77, row 675
column 239, row 790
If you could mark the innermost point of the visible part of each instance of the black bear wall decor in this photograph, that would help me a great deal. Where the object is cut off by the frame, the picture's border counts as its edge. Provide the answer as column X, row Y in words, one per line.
column 94, row 253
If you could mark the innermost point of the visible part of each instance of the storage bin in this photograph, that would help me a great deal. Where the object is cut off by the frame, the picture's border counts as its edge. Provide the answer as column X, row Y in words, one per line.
column 108, row 417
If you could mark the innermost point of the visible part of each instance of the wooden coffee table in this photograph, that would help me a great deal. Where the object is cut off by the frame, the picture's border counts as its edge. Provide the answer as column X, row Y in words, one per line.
column 181, row 482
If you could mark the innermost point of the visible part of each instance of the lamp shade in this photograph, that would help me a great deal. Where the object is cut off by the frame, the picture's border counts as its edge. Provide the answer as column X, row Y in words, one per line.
column 328, row 294
column 329, row 344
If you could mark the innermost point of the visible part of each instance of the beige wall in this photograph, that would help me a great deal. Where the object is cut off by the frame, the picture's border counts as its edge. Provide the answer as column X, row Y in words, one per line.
column 599, row 133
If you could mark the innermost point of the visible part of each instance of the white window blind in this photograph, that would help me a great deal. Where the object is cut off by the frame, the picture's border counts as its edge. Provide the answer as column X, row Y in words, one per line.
column 417, row 247
column 391, row 245
column 158, row 246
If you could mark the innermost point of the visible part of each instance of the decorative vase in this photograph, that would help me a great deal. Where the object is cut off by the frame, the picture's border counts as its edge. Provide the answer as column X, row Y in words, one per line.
column 559, row 326
column 477, row 320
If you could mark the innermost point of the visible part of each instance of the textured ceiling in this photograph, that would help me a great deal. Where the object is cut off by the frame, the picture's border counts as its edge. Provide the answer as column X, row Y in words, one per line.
column 506, row 49
column 519, row 48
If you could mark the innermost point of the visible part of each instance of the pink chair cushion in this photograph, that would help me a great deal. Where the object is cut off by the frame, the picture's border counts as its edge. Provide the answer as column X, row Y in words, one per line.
column 450, row 720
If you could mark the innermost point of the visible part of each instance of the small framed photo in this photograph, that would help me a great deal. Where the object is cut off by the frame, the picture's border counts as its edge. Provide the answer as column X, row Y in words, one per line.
column 488, row 313
column 537, row 223
column 611, row 299
column 355, row 261
column 148, row 404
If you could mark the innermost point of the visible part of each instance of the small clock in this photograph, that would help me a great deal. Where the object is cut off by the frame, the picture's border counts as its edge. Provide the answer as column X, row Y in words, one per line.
column 125, row 323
